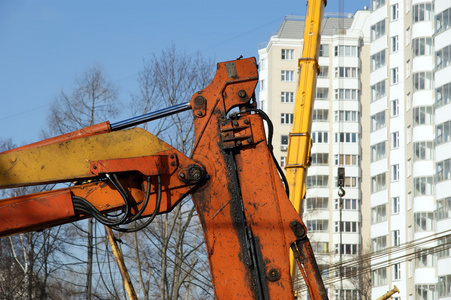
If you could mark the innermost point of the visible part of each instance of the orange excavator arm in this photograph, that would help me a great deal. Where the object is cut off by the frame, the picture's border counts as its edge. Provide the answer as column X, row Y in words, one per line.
column 248, row 221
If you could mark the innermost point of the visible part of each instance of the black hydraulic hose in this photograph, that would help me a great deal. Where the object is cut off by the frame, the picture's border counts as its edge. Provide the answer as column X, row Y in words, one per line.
column 146, row 201
column 151, row 217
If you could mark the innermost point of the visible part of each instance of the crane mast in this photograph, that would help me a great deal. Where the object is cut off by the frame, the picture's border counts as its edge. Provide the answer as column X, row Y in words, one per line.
column 298, row 157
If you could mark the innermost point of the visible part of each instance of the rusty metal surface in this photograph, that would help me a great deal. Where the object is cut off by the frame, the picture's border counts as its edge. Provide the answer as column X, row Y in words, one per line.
column 244, row 209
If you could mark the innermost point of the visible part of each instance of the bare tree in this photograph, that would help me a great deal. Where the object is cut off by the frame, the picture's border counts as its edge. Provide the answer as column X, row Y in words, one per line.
column 91, row 101
column 28, row 261
column 171, row 262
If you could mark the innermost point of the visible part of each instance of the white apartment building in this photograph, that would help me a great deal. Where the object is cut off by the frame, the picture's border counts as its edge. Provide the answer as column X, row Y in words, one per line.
column 410, row 81
column 340, row 134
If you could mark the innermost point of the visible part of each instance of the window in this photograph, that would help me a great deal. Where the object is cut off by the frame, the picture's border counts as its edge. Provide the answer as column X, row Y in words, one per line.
column 444, row 286
column 347, row 204
column 347, row 116
column 422, row 46
column 347, row 272
column 395, row 140
column 351, row 181
column 423, row 150
column 347, row 294
column 394, row 43
column 320, row 247
column 287, row 97
column 347, row 137
column 422, row 81
column 395, row 172
column 346, row 72
column 323, row 72
column 425, row 258
column 409, row 134
column 378, row 121
column 423, row 186
column 425, row 291
column 378, row 151
column 262, row 85
column 443, row 209
column 287, row 76
column 349, row 227
column 408, row 68
column 343, row 50
column 378, row 30
column 378, row 214
column 287, row 54
column 283, row 160
column 346, row 94
column 377, row 60
column 286, row 118
column 322, row 93
column 423, row 115
column 317, row 225
column 378, row 183
column 424, row 221
column 320, row 115
column 284, row 143
column 375, row 4
column 443, row 58
column 394, row 75
column 320, row 137
column 379, row 277
column 443, row 133
column 378, row 91
column 396, row 205
column 262, row 64
column 444, row 249
column 443, row 21
column 443, row 95
column 318, row 181
column 320, row 158
column 395, row 108
column 409, row 167
column 379, row 243
column 394, row 12
column 324, row 50
column 396, row 238
column 421, row 12
column 347, row 159
column 317, row 203
column 443, row 169
column 348, row 249
column 397, row 272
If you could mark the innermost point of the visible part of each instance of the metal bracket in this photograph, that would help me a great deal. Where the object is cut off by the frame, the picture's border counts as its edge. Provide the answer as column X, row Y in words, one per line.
column 236, row 133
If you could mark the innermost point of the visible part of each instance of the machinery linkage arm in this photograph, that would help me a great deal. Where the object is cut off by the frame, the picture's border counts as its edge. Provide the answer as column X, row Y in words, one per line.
column 248, row 221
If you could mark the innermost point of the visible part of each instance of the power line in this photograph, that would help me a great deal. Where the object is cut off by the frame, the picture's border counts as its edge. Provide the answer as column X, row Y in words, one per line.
column 366, row 263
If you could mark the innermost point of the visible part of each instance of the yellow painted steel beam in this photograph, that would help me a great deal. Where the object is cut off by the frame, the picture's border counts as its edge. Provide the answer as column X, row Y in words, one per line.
column 71, row 159
column 299, row 144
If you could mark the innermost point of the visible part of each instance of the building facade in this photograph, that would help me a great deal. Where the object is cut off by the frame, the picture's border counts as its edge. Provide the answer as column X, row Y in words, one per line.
column 410, row 81
column 340, row 134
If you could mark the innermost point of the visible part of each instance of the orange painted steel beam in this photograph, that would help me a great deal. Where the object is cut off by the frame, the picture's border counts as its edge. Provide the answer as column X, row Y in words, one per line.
column 244, row 209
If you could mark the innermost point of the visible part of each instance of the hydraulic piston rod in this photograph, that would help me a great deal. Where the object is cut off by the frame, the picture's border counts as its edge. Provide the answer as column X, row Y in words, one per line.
column 150, row 116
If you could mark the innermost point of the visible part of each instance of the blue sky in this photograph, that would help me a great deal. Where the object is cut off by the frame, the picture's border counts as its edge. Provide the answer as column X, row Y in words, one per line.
column 45, row 45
